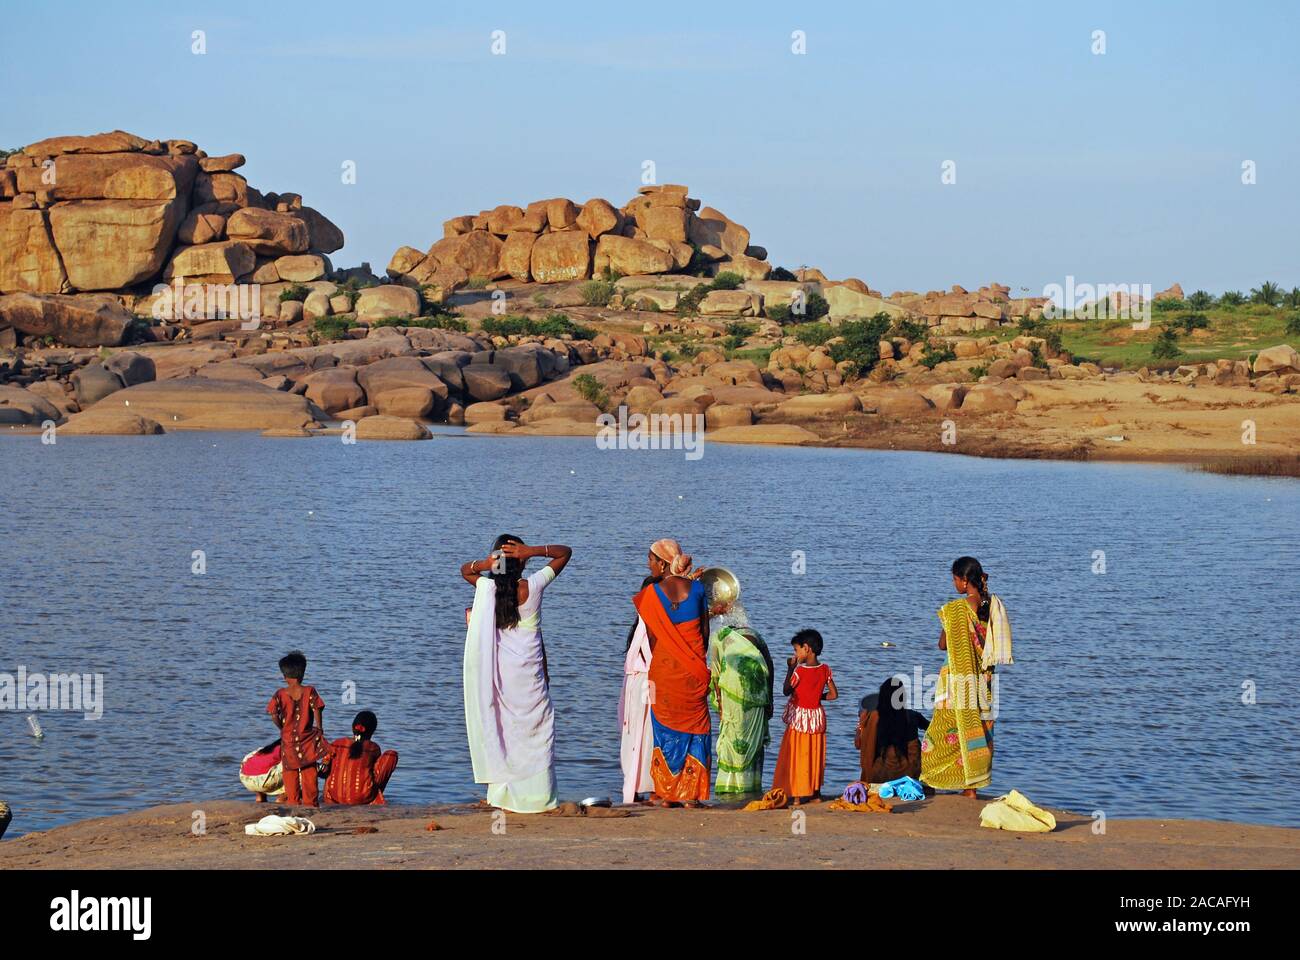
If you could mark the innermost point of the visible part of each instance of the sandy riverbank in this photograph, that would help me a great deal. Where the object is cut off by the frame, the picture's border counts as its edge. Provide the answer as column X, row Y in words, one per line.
column 939, row 833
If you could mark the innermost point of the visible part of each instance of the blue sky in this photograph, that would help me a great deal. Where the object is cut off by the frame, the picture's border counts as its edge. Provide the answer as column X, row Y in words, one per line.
column 1118, row 168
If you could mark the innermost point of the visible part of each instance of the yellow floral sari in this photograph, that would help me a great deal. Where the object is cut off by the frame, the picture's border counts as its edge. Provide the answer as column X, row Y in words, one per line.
column 957, row 750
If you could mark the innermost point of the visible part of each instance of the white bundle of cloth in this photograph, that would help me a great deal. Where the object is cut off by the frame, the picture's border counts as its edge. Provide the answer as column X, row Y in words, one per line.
column 273, row 825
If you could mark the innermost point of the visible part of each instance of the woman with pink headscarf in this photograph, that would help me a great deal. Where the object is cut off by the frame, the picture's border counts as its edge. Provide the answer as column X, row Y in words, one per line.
column 674, row 610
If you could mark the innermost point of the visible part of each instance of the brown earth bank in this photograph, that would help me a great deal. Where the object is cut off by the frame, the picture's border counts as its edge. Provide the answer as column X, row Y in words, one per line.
column 943, row 832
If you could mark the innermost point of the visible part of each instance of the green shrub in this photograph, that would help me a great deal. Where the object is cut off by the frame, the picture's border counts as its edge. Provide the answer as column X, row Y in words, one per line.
column 860, row 343
column 933, row 356
column 559, row 325
column 516, row 325
column 913, row 331
column 727, row 280
column 477, row 283
column 1293, row 325
column 1165, row 306
column 1200, row 300
column 596, row 293
column 334, row 328
column 1028, row 325
column 295, row 292
column 589, row 388
column 1232, row 298
column 1193, row 321
column 814, row 334
column 781, row 273
column 741, row 329
column 1292, row 299
column 689, row 302
column 979, row 371
column 510, row 325
column 1052, row 336
column 1166, row 345
column 1036, row 353
column 779, row 313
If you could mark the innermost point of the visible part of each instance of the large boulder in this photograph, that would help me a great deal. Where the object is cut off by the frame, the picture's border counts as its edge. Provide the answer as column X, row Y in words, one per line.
column 484, row 381
column 597, row 218
column 398, row 372
column 988, row 398
column 815, row 405
column 118, row 141
column 522, row 364
column 114, row 421
column 847, row 302
column 111, row 176
column 780, row 433
column 516, row 255
column 1280, row 359
column 200, row 403
column 387, row 300
column 94, row 382
column 267, row 232
column 731, row 303
column 334, row 389
column 895, row 402
column 627, row 255
column 111, row 244
column 557, row 257
column 223, row 262
column 25, row 408
column 711, row 228
column 29, row 261
column 322, row 235
column 478, row 253
column 97, row 320
column 391, row 428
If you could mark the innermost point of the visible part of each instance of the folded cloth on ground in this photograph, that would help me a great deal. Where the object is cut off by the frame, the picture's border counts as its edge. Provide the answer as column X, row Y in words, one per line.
column 872, row 805
column 1017, row 812
column 856, row 792
column 904, row 788
column 774, row 799
column 273, row 825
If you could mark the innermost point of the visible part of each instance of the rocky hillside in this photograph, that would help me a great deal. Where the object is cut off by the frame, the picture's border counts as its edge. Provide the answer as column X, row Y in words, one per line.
column 115, row 214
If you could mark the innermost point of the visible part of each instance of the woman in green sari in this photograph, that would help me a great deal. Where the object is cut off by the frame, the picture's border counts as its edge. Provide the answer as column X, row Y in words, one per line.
column 740, row 690
column 957, row 750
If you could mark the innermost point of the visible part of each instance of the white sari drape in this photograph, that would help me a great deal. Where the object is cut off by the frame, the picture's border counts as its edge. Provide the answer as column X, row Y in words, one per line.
column 509, row 719
column 637, row 747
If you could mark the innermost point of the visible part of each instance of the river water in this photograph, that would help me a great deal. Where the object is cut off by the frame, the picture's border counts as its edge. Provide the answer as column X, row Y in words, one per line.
column 1163, row 686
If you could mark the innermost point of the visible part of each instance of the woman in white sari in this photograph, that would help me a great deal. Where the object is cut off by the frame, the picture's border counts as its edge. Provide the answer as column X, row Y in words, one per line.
column 638, row 742
column 508, row 714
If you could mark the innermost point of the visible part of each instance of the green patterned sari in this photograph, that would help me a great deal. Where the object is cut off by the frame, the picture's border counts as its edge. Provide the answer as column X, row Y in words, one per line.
column 741, row 692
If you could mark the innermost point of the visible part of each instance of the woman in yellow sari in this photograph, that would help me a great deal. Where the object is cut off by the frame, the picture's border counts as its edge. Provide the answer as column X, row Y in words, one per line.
column 957, row 750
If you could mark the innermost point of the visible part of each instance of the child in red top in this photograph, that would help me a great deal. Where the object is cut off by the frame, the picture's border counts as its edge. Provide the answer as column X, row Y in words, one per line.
column 359, row 771
column 296, row 710
column 801, row 767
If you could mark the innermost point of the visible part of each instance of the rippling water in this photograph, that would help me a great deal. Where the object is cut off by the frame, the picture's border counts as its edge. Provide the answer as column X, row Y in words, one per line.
column 1126, row 697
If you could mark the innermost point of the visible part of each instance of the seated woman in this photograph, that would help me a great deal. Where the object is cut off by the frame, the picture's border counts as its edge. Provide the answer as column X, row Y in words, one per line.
column 359, row 770
column 887, row 738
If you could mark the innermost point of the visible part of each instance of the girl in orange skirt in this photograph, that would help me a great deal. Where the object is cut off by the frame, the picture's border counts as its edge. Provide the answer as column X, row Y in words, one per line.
column 802, row 764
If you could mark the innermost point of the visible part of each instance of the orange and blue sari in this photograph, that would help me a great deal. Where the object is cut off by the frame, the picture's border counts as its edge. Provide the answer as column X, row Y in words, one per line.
column 679, row 691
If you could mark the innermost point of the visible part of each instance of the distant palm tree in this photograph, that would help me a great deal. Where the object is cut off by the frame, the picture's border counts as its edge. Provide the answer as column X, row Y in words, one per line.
column 1292, row 299
column 1200, row 300
column 1267, row 293
column 1232, row 298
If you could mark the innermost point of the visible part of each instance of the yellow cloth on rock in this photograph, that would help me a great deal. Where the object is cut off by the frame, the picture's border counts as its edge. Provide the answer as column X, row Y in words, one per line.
column 1017, row 812
column 873, row 805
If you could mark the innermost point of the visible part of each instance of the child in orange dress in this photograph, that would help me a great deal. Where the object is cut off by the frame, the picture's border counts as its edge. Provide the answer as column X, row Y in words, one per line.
column 296, row 710
column 801, row 766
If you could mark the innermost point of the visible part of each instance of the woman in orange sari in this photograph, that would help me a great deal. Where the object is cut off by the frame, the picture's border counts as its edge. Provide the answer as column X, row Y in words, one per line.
column 676, row 615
